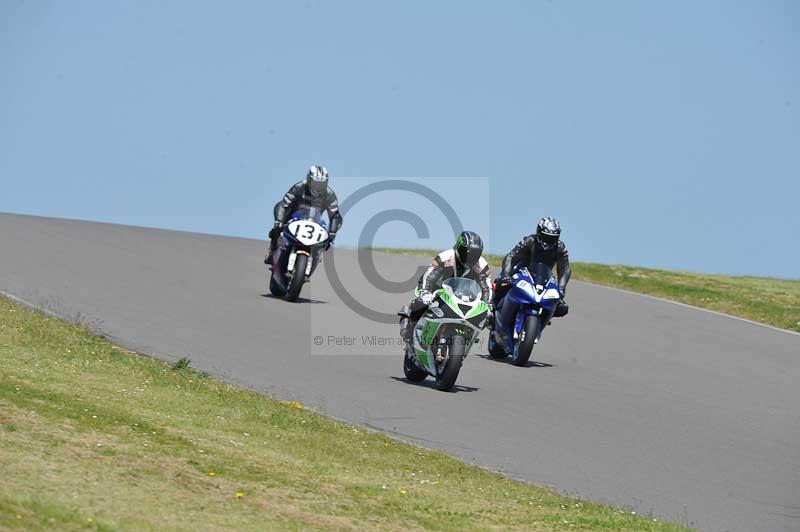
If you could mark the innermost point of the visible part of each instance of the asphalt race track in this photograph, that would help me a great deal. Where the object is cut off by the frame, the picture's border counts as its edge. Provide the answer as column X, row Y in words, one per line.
column 690, row 415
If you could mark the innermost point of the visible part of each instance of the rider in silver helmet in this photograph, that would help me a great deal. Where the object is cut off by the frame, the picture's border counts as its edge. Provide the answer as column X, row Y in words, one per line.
column 544, row 246
column 313, row 191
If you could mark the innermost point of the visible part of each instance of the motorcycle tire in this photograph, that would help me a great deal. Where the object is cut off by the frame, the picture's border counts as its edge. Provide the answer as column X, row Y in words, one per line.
column 274, row 288
column 495, row 349
column 298, row 277
column 447, row 379
column 413, row 372
column 524, row 346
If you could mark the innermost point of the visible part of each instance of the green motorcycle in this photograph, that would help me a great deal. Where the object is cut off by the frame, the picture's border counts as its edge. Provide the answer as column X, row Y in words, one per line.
column 444, row 335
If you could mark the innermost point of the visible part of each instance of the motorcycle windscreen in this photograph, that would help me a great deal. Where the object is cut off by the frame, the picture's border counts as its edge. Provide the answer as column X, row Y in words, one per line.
column 464, row 289
column 309, row 213
column 541, row 274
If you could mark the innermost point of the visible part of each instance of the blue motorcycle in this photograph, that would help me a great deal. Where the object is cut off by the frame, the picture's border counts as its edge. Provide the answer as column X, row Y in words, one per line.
column 523, row 313
column 298, row 252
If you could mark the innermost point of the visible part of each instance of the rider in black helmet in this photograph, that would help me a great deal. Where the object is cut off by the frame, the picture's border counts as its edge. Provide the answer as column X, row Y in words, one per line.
column 544, row 246
column 313, row 191
column 464, row 259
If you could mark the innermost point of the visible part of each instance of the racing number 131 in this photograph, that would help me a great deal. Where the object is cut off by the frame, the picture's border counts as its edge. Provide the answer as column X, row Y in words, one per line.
column 310, row 230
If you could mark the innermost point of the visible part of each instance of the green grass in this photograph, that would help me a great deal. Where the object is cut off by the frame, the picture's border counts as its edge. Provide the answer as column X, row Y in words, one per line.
column 775, row 302
column 95, row 437
column 772, row 301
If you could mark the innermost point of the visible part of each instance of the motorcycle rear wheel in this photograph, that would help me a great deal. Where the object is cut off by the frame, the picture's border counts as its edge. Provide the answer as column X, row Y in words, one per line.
column 496, row 349
column 274, row 288
column 413, row 372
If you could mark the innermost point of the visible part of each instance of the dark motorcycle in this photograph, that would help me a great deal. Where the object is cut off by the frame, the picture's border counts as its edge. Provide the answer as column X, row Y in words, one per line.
column 298, row 252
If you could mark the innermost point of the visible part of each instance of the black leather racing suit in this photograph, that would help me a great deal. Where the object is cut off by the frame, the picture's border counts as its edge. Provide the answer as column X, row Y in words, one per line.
column 298, row 197
column 442, row 268
column 527, row 253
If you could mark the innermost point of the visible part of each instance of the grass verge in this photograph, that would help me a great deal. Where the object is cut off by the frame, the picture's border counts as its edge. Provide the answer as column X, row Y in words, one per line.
column 774, row 302
column 95, row 437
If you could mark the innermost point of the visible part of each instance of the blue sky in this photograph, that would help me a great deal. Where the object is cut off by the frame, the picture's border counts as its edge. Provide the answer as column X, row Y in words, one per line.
column 659, row 134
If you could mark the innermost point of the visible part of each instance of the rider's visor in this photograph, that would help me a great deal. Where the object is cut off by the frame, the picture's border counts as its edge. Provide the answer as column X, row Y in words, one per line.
column 547, row 241
column 317, row 187
column 470, row 257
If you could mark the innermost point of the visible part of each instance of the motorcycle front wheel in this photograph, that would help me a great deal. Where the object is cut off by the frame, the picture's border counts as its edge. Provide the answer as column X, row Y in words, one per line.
column 298, row 277
column 447, row 378
column 524, row 345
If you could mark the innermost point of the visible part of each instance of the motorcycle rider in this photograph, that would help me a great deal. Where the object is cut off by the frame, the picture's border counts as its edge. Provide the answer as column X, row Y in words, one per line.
column 311, row 192
column 544, row 246
column 464, row 259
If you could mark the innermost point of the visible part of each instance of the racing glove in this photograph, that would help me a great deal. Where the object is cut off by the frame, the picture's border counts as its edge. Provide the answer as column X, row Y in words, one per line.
column 275, row 231
column 329, row 242
column 503, row 280
column 426, row 297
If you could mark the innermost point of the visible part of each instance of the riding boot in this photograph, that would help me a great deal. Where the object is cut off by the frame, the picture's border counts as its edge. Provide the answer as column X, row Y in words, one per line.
column 406, row 328
column 272, row 243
